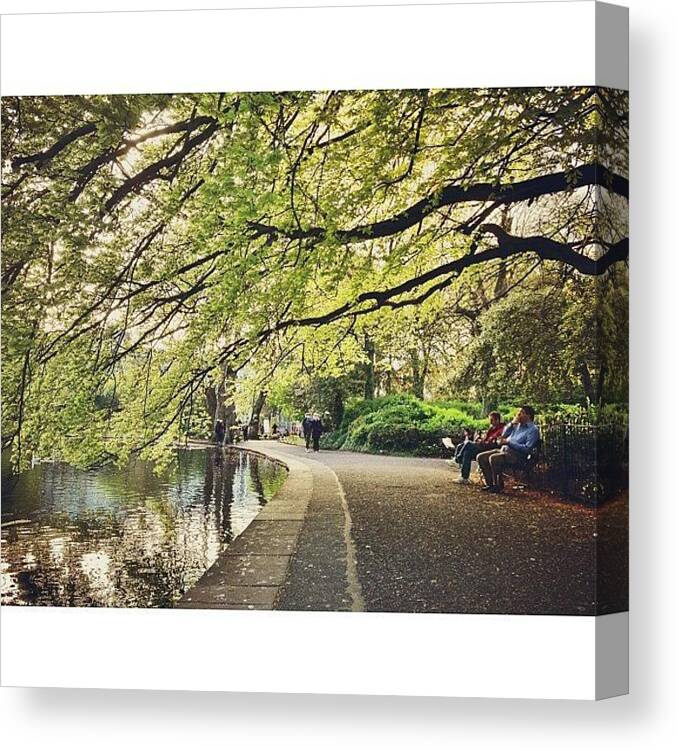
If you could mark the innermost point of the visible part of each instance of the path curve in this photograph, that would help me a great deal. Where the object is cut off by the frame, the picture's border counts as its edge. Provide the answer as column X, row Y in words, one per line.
column 391, row 534
column 296, row 554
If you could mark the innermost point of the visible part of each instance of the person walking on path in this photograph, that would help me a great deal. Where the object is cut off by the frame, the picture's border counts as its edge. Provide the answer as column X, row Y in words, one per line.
column 469, row 450
column 316, row 431
column 306, row 429
column 517, row 441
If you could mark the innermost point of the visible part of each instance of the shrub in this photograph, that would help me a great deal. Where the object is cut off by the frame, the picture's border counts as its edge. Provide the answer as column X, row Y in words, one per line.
column 402, row 424
column 473, row 409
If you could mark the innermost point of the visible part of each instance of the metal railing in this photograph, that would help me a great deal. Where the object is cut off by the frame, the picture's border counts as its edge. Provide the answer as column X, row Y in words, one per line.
column 584, row 461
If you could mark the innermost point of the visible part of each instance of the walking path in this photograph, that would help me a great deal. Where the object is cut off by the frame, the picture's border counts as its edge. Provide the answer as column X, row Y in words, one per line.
column 352, row 531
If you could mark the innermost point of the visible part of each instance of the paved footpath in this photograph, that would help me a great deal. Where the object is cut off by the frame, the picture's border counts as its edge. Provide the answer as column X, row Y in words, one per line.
column 382, row 533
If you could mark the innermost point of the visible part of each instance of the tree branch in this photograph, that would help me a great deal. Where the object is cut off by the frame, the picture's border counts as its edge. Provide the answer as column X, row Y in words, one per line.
column 152, row 172
column 41, row 157
column 452, row 194
column 90, row 169
column 509, row 246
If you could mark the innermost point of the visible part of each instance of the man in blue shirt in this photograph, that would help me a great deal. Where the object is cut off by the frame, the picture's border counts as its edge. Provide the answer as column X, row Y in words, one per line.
column 518, row 440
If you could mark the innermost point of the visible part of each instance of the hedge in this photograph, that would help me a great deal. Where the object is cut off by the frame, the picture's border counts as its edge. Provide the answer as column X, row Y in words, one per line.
column 405, row 425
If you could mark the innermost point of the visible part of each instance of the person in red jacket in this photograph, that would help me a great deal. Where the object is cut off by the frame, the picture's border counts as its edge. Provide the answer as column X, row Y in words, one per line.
column 486, row 442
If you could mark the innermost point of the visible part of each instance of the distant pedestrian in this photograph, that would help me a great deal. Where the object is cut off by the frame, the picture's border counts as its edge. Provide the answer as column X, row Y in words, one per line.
column 219, row 432
column 245, row 430
column 316, row 431
column 306, row 429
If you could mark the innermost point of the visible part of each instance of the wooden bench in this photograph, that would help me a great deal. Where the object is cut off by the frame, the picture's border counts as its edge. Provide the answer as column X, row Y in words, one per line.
column 527, row 466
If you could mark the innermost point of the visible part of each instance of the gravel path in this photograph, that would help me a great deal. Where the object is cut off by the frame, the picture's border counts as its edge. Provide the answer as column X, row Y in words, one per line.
column 419, row 543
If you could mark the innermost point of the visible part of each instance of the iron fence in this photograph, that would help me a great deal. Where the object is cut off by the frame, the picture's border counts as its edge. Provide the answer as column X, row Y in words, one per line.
column 584, row 461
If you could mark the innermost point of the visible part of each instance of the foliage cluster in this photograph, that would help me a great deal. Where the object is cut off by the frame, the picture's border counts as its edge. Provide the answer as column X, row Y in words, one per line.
column 405, row 425
column 170, row 260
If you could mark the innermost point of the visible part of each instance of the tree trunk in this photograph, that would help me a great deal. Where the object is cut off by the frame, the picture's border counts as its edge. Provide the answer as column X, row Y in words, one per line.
column 338, row 408
column 418, row 374
column 229, row 416
column 370, row 382
column 587, row 384
column 211, row 403
column 255, row 420
column 600, row 385
column 388, row 381
column 219, row 401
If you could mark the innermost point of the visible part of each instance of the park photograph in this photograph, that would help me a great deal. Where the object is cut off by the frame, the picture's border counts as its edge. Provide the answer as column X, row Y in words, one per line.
column 343, row 350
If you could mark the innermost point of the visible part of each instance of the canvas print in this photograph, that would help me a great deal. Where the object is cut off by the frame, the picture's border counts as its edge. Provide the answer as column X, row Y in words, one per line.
column 316, row 350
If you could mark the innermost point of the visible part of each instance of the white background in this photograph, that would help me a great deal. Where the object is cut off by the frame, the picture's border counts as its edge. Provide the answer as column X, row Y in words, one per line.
column 289, row 49
column 73, row 719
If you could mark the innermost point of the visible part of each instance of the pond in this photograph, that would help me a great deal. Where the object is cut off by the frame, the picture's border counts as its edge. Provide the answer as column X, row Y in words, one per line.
column 125, row 538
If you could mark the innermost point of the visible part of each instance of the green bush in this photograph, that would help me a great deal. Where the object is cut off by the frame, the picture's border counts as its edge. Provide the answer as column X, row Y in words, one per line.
column 473, row 409
column 403, row 424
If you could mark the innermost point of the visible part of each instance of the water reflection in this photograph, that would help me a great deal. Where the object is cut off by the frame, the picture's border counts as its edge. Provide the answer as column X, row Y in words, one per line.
column 125, row 538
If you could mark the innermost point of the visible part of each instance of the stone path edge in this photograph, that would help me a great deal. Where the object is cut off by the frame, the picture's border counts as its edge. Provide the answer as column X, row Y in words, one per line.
column 249, row 573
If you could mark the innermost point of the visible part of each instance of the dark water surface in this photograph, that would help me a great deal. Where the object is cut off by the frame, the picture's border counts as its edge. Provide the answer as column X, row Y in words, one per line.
column 125, row 538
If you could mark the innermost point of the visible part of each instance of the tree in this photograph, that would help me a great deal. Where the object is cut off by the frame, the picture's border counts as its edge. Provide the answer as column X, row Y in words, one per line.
column 152, row 243
column 551, row 342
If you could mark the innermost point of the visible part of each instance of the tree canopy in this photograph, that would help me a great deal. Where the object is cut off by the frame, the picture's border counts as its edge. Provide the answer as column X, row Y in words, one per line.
column 160, row 250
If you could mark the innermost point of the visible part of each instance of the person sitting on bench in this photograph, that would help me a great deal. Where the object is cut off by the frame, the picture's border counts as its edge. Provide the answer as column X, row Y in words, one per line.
column 457, row 449
column 517, row 441
column 469, row 450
